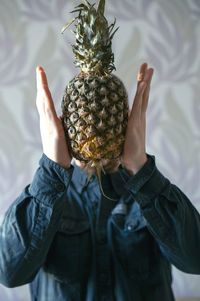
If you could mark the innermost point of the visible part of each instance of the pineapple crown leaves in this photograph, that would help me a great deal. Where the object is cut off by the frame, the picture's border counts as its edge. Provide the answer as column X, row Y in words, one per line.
column 93, row 46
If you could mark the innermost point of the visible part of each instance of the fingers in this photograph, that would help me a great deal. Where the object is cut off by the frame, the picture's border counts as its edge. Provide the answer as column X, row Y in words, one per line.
column 41, row 78
column 141, row 72
column 141, row 85
column 147, row 79
column 140, row 103
column 44, row 99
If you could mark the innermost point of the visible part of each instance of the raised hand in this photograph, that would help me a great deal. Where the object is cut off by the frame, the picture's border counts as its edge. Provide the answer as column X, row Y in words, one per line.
column 134, row 153
column 51, row 129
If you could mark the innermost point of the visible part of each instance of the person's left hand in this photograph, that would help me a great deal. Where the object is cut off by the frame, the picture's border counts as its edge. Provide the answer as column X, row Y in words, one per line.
column 134, row 153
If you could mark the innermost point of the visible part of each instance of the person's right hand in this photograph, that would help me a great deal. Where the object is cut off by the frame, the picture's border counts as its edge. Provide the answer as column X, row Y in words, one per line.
column 51, row 128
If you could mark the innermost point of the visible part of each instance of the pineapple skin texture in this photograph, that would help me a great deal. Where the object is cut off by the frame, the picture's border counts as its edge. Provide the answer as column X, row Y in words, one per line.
column 95, row 116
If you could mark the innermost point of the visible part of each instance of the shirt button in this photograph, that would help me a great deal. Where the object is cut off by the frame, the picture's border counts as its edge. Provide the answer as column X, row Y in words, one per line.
column 133, row 225
column 130, row 227
column 60, row 187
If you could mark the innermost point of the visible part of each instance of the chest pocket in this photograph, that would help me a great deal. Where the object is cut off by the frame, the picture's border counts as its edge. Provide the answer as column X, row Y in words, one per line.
column 134, row 244
column 68, row 259
column 72, row 226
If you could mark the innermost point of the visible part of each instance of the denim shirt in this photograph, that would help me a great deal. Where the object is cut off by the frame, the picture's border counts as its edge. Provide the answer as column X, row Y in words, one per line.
column 70, row 242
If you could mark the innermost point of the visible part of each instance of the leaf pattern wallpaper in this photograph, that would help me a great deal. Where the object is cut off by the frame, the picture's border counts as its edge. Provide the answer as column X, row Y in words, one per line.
column 166, row 34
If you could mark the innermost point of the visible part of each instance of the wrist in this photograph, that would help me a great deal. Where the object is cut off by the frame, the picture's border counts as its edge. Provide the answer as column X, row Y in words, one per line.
column 63, row 163
column 134, row 166
column 65, row 166
column 60, row 161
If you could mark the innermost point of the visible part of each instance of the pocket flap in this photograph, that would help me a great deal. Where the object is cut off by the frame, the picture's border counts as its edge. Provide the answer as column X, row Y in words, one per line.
column 73, row 226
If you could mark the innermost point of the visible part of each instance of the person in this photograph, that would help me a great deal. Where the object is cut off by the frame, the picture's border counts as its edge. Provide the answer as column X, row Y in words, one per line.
column 72, row 243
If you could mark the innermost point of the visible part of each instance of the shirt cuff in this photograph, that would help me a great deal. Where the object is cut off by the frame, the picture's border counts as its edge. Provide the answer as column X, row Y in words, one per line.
column 50, row 181
column 144, row 186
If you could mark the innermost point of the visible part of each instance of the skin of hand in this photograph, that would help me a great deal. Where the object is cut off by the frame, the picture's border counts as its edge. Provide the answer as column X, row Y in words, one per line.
column 134, row 152
column 51, row 128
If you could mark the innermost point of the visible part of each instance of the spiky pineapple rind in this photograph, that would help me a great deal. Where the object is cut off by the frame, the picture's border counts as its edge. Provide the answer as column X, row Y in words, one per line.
column 95, row 111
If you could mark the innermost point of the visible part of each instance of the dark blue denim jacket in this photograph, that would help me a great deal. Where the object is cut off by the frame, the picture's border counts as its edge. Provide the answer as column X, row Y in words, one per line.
column 71, row 243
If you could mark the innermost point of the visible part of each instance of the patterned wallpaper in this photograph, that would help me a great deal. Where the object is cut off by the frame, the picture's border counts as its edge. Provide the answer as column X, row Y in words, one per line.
column 166, row 34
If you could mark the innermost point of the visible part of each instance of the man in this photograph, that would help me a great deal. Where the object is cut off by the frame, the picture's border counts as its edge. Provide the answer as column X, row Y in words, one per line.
column 72, row 243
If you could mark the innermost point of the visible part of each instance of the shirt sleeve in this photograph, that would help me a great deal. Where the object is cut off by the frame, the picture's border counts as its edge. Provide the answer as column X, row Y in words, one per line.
column 31, row 222
column 171, row 218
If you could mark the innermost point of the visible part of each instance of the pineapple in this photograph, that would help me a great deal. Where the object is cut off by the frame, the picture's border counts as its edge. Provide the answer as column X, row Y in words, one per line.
column 95, row 102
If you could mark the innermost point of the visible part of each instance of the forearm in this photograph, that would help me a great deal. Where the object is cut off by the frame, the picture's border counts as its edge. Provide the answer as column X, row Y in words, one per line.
column 30, row 224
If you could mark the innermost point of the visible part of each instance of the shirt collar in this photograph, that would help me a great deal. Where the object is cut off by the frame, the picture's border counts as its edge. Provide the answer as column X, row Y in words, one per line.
column 117, row 180
column 79, row 178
